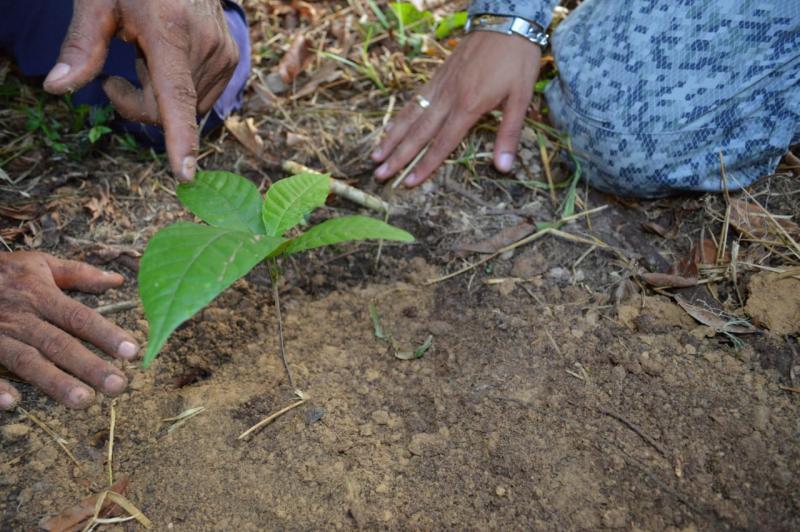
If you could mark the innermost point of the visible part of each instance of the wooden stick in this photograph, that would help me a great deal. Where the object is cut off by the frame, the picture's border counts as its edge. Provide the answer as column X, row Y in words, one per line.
column 269, row 419
column 342, row 189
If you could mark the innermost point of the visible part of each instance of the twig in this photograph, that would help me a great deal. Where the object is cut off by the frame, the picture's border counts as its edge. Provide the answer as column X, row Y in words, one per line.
column 58, row 439
column 269, row 419
column 342, row 189
column 113, row 308
column 411, row 165
column 649, row 440
column 113, row 425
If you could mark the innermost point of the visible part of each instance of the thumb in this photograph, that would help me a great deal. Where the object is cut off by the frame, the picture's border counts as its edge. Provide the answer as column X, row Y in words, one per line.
column 85, row 47
column 508, row 135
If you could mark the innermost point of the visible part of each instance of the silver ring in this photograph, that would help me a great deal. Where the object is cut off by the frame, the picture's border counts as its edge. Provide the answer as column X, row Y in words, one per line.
column 422, row 101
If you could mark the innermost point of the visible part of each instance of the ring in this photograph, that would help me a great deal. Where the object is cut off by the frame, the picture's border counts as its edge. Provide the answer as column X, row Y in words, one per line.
column 422, row 101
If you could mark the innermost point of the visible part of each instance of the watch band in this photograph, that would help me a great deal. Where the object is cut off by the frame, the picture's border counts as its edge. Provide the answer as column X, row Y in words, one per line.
column 509, row 26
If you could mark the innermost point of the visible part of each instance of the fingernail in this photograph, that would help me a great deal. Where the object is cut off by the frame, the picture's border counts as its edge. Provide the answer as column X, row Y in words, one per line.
column 188, row 168
column 79, row 396
column 7, row 401
column 58, row 72
column 114, row 384
column 376, row 155
column 505, row 162
column 410, row 180
column 127, row 350
column 382, row 171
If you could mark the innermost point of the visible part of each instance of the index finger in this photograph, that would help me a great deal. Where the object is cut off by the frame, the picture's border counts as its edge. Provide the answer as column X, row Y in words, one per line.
column 176, row 95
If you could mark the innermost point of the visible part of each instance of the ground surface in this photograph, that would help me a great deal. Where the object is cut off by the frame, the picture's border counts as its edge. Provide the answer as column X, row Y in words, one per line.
column 557, row 394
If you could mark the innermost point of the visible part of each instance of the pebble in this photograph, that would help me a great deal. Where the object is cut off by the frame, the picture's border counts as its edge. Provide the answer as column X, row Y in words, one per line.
column 15, row 431
column 380, row 417
column 500, row 491
column 615, row 518
column 761, row 417
column 689, row 349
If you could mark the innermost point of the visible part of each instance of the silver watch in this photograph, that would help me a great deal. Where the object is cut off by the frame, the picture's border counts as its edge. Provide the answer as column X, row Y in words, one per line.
column 509, row 26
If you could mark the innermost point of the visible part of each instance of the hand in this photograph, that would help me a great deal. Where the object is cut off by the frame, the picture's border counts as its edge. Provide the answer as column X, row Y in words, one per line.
column 39, row 326
column 187, row 59
column 485, row 71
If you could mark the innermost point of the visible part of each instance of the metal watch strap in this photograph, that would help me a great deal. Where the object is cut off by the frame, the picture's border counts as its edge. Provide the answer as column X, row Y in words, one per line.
column 509, row 26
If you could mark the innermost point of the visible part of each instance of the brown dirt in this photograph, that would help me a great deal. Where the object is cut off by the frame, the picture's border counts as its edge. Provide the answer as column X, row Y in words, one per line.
column 555, row 396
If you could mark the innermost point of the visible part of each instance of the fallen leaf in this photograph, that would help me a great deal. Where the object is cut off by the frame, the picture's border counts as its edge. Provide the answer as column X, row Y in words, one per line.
column 753, row 221
column 716, row 319
column 667, row 280
column 20, row 212
column 295, row 59
column 74, row 518
column 246, row 133
column 502, row 239
column 326, row 74
column 655, row 228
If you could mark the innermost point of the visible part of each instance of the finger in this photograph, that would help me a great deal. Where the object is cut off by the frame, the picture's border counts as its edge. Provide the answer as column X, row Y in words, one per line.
column 443, row 145
column 508, row 135
column 28, row 364
column 74, row 275
column 85, row 47
column 69, row 354
column 86, row 324
column 424, row 128
column 396, row 130
column 177, row 104
column 9, row 396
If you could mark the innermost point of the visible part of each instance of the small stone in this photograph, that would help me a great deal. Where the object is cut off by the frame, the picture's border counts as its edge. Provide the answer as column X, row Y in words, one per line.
column 15, row 431
column 372, row 375
column 380, row 417
column 689, row 349
column 366, row 430
column 615, row 518
column 500, row 491
column 424, row 444
column 761, row 417
column 651, row 364
column 713, row 357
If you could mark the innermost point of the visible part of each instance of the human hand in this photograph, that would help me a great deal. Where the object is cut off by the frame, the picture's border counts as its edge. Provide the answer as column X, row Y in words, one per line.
column 485, row 71
column 40, row 327
column 187, row 57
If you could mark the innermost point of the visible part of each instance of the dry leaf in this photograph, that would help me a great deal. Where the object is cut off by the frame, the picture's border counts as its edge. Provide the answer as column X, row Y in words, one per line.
column 295, row 59
column 502, row 239
column 246, row 133
column 753, row 221
column 74, row 517
column 667, row 280
column 716, row 319
column 20, row 212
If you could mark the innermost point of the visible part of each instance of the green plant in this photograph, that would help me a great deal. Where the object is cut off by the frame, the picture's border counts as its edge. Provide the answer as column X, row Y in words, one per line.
column 186, row 265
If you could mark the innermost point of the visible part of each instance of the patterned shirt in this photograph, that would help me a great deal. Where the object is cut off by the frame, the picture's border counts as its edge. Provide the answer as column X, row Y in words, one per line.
column 652, row 91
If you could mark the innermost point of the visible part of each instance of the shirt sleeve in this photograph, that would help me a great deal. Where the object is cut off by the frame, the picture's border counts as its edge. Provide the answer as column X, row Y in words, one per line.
column 539, row 11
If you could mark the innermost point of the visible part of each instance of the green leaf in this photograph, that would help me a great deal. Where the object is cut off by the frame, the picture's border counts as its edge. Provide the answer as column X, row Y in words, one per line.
column 98, row 131
column 289, row 201
column 410, row 17
column 187, row 265
column 451, row 23
column 223, row 199
column 419, row 352
column 345, row 229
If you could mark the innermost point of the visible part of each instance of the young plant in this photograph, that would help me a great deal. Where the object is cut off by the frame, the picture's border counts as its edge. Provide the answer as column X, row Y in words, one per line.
column 186, row 265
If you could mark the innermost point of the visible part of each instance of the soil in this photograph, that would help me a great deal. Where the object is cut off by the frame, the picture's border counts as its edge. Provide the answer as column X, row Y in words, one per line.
column 557, row 394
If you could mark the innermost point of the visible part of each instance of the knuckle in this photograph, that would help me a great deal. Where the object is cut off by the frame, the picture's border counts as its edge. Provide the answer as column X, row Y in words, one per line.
column 78, row 318
column 21, row 360
column 53, row 347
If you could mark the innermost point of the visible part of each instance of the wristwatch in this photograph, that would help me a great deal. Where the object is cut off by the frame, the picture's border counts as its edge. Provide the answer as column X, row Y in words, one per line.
column 509, row 26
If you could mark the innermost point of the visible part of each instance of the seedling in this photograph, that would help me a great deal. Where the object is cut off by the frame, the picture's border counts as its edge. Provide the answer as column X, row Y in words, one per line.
column 186, row 265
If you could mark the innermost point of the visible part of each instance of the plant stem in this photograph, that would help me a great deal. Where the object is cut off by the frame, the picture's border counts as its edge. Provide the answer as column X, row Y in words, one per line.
column 275, row 276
